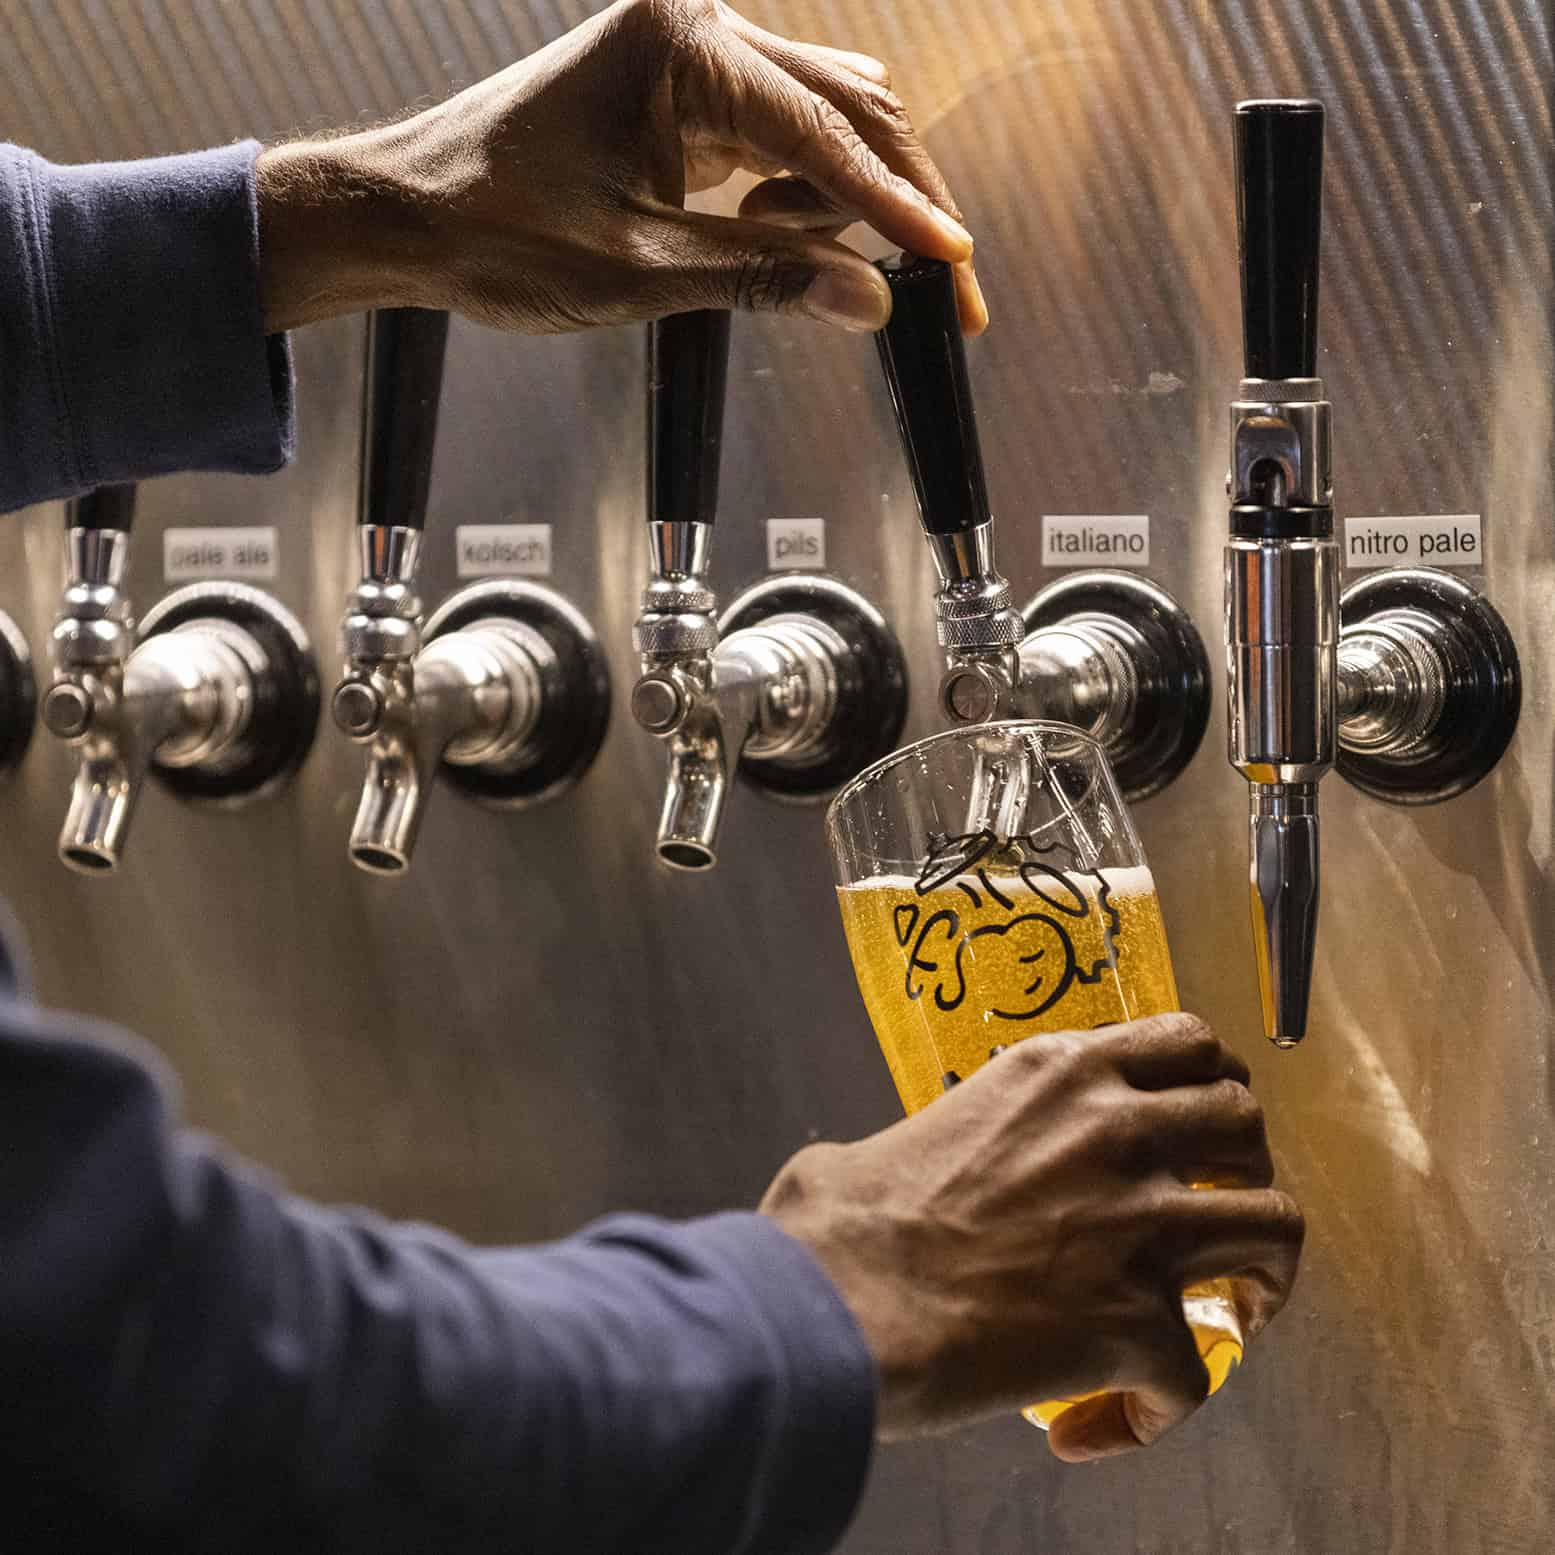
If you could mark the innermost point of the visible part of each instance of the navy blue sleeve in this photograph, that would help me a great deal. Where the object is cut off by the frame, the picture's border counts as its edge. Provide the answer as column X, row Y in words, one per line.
column 191, row 1359
column 131, row 341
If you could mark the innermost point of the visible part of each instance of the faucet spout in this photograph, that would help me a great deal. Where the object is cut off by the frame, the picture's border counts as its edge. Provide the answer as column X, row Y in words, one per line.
column 184, row 696
column 388, row 814
column 401, row 763
column 695, row 794
column 472, row 698
column 1284, row 853
column 107, row 783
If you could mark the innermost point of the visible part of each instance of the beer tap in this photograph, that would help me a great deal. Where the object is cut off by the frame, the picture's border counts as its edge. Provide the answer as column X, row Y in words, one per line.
column 1409, row 681
column 216, row 694
column 1108, row 651
column 798, row 684
column 503, row 691
column 1282, row 563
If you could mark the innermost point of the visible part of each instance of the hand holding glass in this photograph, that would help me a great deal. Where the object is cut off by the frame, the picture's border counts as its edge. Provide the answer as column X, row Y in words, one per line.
column 992, row 887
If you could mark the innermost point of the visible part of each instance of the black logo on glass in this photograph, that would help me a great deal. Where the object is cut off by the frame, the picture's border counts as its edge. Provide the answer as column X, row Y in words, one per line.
column 938, row 944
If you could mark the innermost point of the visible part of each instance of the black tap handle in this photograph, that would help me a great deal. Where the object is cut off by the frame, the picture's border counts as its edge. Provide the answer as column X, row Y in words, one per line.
column 404, row 381
column 108, row 507
column 688, row 373
column 925, row 369
column 1279, row 216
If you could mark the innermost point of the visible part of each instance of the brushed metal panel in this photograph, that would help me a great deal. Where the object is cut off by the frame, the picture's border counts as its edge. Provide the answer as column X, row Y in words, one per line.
column 427, row 1046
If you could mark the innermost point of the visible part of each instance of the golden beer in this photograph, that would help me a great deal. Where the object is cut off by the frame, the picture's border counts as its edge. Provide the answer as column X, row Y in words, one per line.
column 985, row 948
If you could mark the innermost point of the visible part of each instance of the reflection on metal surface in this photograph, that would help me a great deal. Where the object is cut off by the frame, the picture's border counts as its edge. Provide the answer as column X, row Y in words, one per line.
column 1405, row 1404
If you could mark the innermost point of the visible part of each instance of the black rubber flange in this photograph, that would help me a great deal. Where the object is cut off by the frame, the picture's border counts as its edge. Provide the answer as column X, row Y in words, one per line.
column 1484, row 689
column 18, row 694
column 1172, row 710
column 871, row 682
column 575, row 708
column 286, row 702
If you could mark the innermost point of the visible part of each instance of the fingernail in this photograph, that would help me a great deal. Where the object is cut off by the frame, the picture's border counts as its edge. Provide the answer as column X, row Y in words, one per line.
column 977, row 320
column 845, row 297
column 953, row 233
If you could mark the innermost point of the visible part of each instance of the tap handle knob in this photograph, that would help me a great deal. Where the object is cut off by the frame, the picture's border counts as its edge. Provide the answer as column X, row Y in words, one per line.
column 924, row 359
column 1279, row 210
column 108, row 507
column 404, row 380
column 688, row 372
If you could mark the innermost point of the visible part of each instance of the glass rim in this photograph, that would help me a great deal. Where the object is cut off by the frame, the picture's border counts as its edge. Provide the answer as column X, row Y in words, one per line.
column 878, row 769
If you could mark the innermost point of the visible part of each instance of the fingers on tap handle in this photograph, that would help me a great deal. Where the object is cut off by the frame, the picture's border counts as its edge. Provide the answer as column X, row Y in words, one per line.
column 924, row 359
column 405, row 349
column 108, row 507
column 688, row 371
column 1279, row 187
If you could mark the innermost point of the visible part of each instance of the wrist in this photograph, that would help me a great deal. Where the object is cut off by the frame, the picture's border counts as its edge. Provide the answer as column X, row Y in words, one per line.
column 840, row 1234
column 340, row 232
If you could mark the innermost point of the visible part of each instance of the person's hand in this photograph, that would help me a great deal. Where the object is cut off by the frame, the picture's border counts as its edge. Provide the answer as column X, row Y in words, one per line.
column 551, row 196
column 1029, row 1235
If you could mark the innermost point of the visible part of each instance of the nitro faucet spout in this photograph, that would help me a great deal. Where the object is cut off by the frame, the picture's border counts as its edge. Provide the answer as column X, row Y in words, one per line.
column 1283, row 834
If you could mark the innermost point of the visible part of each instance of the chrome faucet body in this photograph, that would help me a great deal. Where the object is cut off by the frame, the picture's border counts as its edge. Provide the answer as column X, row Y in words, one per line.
column 1282, row 665
column 470, row 697
column 182, row 698
column 768, row 692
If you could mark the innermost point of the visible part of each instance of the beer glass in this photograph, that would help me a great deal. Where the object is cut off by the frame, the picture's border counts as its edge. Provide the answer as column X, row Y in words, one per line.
column 992, row 887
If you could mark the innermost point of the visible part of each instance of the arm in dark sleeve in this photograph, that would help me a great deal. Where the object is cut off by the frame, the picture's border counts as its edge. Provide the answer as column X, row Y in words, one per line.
column 131, row 341
column 214, row 1365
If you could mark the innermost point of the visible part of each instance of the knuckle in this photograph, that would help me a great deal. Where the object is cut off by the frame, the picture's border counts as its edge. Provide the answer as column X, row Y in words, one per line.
column 768, row 282
column 883, row 105
column 1196, row 1037
column 875, row 71
column 1290, row 1223
column 1241, row 1110
column 826, row 131
column 1064, row 1051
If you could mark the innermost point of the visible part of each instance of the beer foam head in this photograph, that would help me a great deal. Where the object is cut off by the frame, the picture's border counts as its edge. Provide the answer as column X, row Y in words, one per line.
column 1129, row 880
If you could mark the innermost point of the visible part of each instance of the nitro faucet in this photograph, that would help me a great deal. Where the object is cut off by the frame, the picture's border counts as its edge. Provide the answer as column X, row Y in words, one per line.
column 1409, row 682
column 1108, row 651
column 1282, row 563
column 798, row 684
column 216, row 693
column 503, row 691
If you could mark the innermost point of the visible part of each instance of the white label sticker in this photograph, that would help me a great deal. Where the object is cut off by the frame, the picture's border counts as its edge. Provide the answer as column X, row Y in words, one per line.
column 504, row 550
column 188, row 554
column 796, row 542
column 1092, row 539
column 1443, row 540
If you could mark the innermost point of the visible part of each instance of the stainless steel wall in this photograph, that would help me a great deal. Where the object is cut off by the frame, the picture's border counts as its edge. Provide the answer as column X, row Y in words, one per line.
column 538, row 1025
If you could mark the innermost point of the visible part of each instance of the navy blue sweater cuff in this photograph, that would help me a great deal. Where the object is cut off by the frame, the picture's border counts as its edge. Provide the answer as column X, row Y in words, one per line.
column 810, row 1484
column 137, row 323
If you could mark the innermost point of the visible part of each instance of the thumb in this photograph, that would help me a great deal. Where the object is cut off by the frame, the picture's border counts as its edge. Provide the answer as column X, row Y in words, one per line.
column 731, row 262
